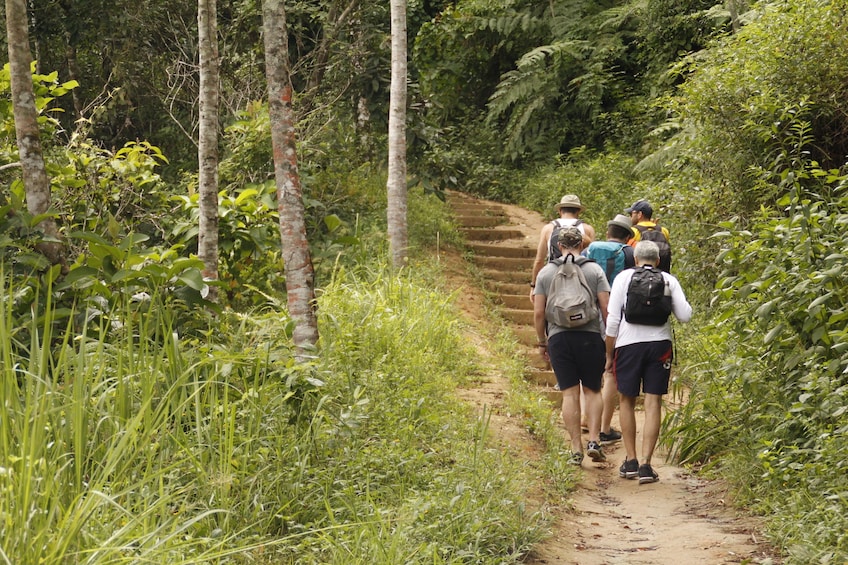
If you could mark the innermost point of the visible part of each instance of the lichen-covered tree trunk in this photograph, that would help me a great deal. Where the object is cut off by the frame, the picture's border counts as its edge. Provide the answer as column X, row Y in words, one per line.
column 396, row 185
column 207, row 149
column 34, row 173
column 300, row 275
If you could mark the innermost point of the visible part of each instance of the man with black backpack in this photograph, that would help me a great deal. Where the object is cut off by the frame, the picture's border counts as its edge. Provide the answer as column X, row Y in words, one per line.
column 645, row 229
column 571, row 296
column 639, row 350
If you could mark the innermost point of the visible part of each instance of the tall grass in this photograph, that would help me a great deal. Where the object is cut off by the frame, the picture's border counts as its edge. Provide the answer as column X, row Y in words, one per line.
column 133, row 444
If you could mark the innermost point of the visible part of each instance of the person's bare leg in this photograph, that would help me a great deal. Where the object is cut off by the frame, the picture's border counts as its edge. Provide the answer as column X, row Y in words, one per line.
column 651, row 432
column 627, row 417
column 594, row 407
column 571, row 416
column 610, row 394
column 584, row 421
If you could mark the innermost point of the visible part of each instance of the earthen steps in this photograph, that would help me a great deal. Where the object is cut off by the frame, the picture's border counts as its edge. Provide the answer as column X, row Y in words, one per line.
column 500, row 250
column 497, row 233
column 504, row 255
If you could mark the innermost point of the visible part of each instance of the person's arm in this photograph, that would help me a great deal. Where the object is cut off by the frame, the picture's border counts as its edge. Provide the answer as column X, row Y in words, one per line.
column 615, row 305
column 679, row 305
column 588, row 235
column 541, row 255
column 541, row 251
column 603, row 303
column 610, row 343
column 540, row 324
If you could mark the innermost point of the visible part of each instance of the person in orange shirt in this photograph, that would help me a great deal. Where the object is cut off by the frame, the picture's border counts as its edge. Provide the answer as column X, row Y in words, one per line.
column 645, row 229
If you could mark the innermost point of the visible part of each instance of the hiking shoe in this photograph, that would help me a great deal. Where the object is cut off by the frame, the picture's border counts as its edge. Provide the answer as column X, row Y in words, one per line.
column 596, row 452
column 613, row 435
column 647, row 474
column 629, row 469
column 576, row 458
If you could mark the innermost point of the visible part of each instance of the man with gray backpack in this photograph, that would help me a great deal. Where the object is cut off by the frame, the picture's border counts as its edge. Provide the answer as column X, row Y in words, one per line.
column 570, row 300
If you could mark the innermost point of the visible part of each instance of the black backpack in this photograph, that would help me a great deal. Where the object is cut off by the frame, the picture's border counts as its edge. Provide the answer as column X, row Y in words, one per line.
column 656, row 235
column 553, row 248
column 648, row 298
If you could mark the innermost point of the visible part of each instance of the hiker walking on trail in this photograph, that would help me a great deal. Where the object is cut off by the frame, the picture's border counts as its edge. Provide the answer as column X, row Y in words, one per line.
column 644, row 228
column 639, row 350
column 571, row 297
column 569, row 210
column 613, row 255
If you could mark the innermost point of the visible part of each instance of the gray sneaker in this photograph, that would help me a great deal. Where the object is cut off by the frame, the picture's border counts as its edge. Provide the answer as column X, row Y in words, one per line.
column 596, row 452
column 576, row 458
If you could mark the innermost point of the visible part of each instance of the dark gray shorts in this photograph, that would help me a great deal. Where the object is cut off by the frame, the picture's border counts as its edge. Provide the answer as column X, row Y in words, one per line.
column 643, row 365
column 577, row 357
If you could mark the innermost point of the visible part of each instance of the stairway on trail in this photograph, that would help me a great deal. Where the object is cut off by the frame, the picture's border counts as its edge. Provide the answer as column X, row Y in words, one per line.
column 504, row 252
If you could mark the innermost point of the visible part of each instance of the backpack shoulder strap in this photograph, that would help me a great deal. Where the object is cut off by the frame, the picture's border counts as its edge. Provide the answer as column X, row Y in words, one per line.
column 611, row 260
column 581, row 260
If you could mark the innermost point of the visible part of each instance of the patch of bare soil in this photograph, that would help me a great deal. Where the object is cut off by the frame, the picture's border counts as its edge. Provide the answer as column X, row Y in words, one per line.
column 679, row 520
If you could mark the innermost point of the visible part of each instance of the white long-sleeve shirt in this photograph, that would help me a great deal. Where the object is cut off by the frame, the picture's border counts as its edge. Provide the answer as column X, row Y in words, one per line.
column 627, row 333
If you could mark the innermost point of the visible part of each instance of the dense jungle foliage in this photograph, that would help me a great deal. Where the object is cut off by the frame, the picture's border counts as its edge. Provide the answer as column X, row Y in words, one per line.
column 137, row 422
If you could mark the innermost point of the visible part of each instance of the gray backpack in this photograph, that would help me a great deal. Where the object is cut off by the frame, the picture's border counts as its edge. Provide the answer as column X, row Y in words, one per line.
column 570, row 302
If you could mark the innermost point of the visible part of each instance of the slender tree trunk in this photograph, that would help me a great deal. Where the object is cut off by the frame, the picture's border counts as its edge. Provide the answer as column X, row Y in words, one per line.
column 396, row 185
column 329, row 34
column 68, row 7
column 300, row 275
column 35, row 179
column 733, row 8
column 207, row 152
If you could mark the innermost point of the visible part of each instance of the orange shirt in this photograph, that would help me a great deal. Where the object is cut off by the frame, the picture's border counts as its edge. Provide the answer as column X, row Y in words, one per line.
column 637, row 235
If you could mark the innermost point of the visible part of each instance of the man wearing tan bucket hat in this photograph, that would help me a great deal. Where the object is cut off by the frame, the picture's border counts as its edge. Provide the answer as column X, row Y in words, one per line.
column 613, row 255
column 569, row 209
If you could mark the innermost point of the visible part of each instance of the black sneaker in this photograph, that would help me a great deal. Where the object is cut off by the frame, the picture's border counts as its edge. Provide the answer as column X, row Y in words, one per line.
column 576, row 458
column 613, row 435
column 629, row 469
column 647, row 474
column 595, row 451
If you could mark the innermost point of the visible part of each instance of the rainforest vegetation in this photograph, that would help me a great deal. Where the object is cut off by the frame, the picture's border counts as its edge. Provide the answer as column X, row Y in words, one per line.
column 143, row 421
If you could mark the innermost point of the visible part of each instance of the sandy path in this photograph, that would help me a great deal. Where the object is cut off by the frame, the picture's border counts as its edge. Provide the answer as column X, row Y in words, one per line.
column 609, row 520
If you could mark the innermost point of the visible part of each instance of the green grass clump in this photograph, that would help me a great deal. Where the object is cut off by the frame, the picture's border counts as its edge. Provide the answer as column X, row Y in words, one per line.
column 139, row 445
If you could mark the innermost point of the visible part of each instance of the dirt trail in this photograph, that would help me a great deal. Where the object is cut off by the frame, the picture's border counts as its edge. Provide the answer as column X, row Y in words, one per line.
column 679, row 520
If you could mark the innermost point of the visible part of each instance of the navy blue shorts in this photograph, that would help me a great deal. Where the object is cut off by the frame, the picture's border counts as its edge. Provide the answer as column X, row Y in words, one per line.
column 643, row 365
column 577, row 357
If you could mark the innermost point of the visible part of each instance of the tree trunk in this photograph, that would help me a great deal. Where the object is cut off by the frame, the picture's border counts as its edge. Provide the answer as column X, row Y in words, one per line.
column 733, row 8
column 207, row 148
column 300, row 275
column 68, row 7
column 396, row 185
column 35, row 179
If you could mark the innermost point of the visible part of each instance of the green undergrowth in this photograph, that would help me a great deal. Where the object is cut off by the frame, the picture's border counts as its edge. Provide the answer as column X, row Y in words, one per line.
column 153, row 447
column 768, row 392
column 534, row 409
